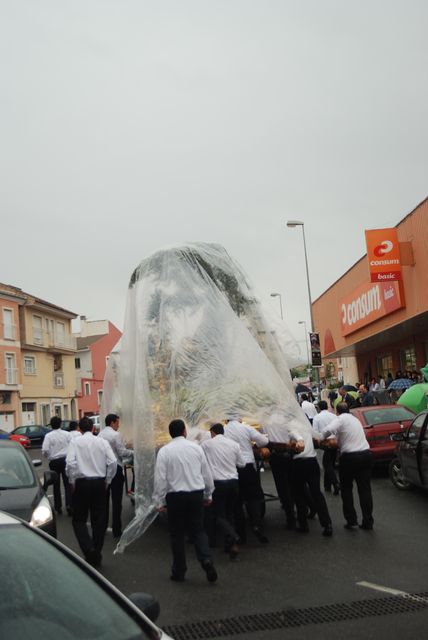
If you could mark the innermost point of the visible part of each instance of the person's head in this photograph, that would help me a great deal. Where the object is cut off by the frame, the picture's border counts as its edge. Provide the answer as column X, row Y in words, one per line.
column 85, row 424
column 216, row 429
column 304, row 396
column 323, row 406
column 342, row 391
column 73, row 425
column 362, row 389
column 55, row 422
column 177, row 428
column 112, row 420
column 342, row 407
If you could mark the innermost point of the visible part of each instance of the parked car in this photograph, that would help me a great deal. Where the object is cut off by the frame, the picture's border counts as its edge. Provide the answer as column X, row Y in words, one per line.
column 24, row 440
column 47, row 591
column 409, row 467
column 36, row 433
column 65, row 424
column 380, row 423
column 21, row 493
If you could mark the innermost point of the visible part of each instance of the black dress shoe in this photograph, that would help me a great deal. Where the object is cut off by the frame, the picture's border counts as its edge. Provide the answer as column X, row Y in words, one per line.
column 328, row 531
column 209, row 569
column 351, row 527
column 367, row 527
column 260, row 535
column 177, row 577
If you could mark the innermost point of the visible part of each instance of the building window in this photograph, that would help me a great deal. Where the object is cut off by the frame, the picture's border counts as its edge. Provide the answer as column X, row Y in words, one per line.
column 87, row 389
column 408, row 359
column 60, row 334
column 100, row 396
column 77, row 363
column 10, row 368
column 58, row 380
column 384, row 366
column 29, row 365
column 37, row 330
column 8, row 326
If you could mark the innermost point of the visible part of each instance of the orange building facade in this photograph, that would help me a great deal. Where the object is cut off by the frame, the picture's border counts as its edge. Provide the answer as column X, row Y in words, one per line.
column 384, row 324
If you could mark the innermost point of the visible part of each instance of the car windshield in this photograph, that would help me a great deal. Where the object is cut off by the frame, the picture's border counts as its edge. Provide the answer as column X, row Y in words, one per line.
column 387, row 414
column 45, row 595
column 15, row 470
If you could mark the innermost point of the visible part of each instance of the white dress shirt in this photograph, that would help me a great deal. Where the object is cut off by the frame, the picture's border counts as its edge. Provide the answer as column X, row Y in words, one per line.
column 181, row 465
column 309, row 408
column 224, row 456
column 90, row 457
column 245, row 435
column 55, row 444
column 349, row 433
column 74, row 434
column 276, row 429
column 321, row 420
column 115, row 441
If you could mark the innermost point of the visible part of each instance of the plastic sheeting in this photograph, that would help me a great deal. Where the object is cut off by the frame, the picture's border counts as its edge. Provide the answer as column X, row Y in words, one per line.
column 196, row 345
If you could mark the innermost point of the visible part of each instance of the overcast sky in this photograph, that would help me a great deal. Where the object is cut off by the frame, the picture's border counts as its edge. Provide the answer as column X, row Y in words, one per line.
column 130, row 125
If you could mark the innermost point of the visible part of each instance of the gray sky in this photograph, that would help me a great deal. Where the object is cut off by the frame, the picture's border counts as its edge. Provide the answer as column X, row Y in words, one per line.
column 129, row 125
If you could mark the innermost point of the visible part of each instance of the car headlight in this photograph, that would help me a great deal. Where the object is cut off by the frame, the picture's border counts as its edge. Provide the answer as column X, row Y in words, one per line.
column 42, row 513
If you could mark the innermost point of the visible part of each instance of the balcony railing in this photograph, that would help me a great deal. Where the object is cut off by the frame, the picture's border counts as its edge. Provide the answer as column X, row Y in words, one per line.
column 9, row 331
column 53, row 341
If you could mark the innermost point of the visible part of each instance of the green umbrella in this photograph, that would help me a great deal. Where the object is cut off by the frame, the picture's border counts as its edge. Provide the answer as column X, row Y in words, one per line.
column 415, row 398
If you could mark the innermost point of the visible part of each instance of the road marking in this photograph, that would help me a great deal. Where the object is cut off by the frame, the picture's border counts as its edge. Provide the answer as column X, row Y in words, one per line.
column 394, row 592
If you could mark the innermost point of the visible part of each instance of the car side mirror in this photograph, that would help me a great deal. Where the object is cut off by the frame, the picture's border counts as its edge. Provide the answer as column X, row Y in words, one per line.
column 147, row 604
column 37, row 463
column 49, row 477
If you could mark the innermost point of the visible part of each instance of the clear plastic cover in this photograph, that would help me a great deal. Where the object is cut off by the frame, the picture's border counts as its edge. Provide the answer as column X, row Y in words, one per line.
column 196, row 345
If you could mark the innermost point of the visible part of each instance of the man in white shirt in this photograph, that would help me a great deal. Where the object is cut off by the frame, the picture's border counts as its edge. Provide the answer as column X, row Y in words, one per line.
column 355, row 463
column 250, row 489
column 55, row 445
column 309, row 409
column 113, row 437
column 224, row 457
column 321, row 420
column 90, row 466
column 73, row 430
column 183, row 484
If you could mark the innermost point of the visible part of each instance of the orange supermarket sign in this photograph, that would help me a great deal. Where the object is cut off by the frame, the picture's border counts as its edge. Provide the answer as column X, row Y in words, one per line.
column 369, row 303
column 383, row 254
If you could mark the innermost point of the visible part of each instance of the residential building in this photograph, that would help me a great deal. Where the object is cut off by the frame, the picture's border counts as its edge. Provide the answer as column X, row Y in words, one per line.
column 45, row 368
column 10, row 358
column 95, row 341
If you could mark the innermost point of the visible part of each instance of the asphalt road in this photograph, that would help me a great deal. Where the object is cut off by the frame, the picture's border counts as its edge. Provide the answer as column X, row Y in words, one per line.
column 300, row 575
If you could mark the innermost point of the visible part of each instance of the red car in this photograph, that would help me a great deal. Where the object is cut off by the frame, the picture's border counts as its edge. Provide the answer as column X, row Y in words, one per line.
column 380, row 422
column 24, row 440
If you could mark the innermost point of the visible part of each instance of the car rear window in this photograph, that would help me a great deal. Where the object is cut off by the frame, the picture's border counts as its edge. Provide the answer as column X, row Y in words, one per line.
column 387, row 414
column 15, row 470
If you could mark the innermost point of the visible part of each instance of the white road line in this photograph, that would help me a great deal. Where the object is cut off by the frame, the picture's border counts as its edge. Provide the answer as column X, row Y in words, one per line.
column 394, row 592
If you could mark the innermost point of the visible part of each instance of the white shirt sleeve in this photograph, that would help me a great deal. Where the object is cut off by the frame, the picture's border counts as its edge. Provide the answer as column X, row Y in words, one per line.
column 45, row 446
column 71, row 463
column 260, row 439
column 111, row 463
column 331, row 429
column 160, row 481
column 122, row 451
column 207, row 476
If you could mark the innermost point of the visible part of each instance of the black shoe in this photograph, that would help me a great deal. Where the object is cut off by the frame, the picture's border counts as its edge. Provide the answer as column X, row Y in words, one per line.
column 328, row 531
column 367, row 527
column 209, row 569
column 350, row 526
column 336, row 491
column 302, row 528
column 260, row 535
column 177, row 577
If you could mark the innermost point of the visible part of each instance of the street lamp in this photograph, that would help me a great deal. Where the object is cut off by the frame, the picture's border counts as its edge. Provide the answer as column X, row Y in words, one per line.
column 306, row 340
column 278, row 295
column 299, row 223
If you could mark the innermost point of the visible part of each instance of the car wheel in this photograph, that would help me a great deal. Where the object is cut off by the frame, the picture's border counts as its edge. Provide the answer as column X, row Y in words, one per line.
column 397, row 476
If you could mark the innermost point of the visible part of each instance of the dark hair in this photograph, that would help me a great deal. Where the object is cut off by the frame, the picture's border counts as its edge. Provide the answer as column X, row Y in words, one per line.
column 85, row 424
column 73, row 425
column 342, row 407
column 304, row 396
column 217, row 428
column 322, row 405
column 55, row 422
column 110, row 417
column 176, row 428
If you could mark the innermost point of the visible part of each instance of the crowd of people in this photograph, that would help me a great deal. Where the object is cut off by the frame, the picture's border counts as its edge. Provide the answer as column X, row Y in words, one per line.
column 91, row 469
column 207, row 484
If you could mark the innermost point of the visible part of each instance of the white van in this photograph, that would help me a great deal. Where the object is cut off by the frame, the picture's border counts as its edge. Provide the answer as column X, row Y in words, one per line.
column 97, row 423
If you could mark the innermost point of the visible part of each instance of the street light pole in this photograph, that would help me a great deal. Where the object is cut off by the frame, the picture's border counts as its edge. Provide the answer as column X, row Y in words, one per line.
column 276, row 295
column 299, row 223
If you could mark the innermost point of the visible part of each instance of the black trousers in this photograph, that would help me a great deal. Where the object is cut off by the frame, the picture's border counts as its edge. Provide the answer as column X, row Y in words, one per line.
column 281, row 465
column 185, row 511
column 58, row 465
column 356, row 466
column 225, row 499
column 328, row 462
column 306, row 471
column 115, row 489
column 89, row 498
column 250, row 494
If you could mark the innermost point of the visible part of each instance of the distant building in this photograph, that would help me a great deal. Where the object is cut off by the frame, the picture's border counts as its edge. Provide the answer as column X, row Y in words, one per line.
column 95, row 341
column 38, row 350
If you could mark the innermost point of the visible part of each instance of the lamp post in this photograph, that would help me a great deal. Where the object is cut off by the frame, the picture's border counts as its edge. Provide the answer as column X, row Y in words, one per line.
column 306, row 340
column 278, row 295
column 299, row 223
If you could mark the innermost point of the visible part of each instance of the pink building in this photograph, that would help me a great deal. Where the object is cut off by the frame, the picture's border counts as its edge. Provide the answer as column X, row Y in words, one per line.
column 95, row 341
